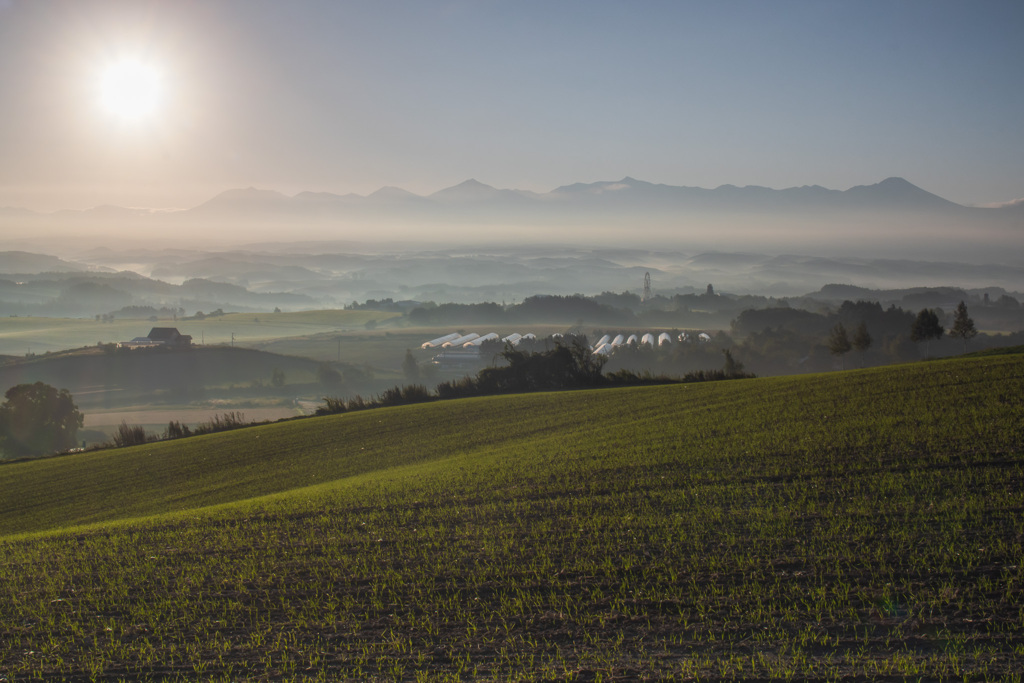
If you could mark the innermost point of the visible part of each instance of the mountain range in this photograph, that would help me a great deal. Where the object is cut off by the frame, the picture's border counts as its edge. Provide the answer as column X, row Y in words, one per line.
column 628, row 193
column 889, row 218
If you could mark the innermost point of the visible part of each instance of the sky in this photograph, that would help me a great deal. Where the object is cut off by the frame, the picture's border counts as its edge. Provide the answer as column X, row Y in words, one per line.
column 337, row 96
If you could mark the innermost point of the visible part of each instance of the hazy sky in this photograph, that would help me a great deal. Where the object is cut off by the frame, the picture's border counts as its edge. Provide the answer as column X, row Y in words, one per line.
column 351, row 96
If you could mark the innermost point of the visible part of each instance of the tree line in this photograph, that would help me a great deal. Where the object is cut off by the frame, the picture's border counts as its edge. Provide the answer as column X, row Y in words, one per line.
column 925, row 328
column 568, row 364
column 777, row 341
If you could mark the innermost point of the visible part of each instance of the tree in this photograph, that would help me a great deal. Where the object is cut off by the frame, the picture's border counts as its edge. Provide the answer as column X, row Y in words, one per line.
column 37, row 419
column 410, row 368
column 861, row 338
column 839, row 342
column 925, row 328
column 963, row 326
column 1007, row 301
column 277, row 378
column 732, row 368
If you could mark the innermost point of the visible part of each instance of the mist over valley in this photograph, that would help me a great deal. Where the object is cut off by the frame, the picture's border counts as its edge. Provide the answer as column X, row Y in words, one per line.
column 891, row 218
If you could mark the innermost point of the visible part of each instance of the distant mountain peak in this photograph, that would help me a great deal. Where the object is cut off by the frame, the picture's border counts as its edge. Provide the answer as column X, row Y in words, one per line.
column 248, row 194
column 471, row 190
column 243, row 199
column 392, row 192
column 896, row 192
column 251, row 193
column 473, row 183
column 896, row 181
column 309, row 196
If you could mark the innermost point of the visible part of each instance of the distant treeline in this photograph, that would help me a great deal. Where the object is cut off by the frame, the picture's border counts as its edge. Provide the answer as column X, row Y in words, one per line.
column 133, row 435
column 388, row 304
column 607, row 308
column 772, row 336
column 138, row 312
column 778, row 341
column 90, row 294
column 534, row 309
column 882, row 322
column 570, row 364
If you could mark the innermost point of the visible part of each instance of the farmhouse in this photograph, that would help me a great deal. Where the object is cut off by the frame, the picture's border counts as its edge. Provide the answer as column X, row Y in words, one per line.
column 159, row 336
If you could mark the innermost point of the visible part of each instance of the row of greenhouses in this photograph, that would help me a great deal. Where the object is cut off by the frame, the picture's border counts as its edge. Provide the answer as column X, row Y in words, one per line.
column 607, row 344
column 457, row 339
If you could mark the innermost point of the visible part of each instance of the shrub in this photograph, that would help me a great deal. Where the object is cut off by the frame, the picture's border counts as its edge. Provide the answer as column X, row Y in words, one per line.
column 396, row 396
column 222, row 423
column 357, row 403
column 458, row 388
column 176, row 430
column 332, row 406
column 129, row 435
column 416, row 393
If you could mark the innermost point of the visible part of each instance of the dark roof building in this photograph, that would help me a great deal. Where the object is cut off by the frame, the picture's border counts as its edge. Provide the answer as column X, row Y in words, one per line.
column 160, row 336
column 169, row 335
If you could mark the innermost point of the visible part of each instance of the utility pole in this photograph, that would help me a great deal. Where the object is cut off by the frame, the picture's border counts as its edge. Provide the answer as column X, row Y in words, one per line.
column 232, row 339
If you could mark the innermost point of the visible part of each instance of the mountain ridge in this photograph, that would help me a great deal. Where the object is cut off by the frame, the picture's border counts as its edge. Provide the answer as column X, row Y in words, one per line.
column 891, row 192
column 893, row 214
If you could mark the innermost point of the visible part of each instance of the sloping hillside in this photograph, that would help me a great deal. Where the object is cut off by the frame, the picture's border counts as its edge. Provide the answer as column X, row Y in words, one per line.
column 103, row 377
column 861, row 524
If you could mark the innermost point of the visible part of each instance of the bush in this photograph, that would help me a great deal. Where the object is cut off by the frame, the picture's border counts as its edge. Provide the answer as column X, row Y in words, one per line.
column 458, row 388
column 222, row 423
column 396, row 396
column 416, row 393
column 129, row 435
column 176, row 430
column 332, row 406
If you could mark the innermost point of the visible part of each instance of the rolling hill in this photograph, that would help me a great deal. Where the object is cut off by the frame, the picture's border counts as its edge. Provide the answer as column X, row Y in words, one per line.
column 851, row 525
column 105, row 376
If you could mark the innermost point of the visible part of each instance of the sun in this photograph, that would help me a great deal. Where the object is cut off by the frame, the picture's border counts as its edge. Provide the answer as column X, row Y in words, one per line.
column 130, row 89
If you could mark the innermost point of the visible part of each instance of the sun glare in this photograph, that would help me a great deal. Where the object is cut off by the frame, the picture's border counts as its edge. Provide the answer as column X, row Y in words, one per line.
column 130, row 90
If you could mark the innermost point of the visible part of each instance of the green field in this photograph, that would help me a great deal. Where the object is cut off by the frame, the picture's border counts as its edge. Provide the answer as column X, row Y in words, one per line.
column 24, row 334
column 865, row 524
column 334, row 335
column 384, row 349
